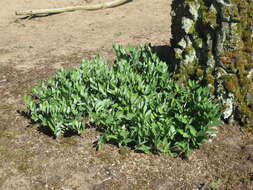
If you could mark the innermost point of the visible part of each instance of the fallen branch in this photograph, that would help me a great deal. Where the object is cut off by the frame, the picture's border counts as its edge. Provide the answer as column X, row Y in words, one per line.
column 74, row 8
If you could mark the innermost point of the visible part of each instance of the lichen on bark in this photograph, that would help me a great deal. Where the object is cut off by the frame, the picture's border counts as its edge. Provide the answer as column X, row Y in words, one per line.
column 213, row 42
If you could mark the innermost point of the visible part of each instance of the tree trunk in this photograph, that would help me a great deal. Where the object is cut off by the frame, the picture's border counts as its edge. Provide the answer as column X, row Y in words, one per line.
column 213, row 42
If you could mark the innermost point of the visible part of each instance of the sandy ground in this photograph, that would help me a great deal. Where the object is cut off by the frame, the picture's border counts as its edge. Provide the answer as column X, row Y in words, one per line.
column 24, row 43
column 31, row 159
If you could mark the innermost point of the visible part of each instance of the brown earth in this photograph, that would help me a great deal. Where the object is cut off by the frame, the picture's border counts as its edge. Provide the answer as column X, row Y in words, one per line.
column 30, row 159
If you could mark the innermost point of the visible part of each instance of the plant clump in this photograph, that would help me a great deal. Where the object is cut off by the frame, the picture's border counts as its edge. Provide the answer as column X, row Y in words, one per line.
column 135, row 101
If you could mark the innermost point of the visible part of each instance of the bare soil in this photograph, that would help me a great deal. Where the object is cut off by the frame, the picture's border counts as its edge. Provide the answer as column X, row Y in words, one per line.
column 34, row 49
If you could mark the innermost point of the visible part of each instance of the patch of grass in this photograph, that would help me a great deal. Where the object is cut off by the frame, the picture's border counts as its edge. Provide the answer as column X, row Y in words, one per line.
column 215, row 184
column 135, row 101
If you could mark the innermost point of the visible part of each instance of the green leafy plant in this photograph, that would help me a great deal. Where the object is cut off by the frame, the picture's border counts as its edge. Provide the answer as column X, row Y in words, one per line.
column 136, row 100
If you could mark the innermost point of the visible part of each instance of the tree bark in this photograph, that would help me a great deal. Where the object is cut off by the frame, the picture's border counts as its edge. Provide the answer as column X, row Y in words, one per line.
column 213, row 42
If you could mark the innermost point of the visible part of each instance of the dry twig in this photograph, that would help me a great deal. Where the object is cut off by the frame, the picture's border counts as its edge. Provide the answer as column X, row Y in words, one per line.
column 74, row 8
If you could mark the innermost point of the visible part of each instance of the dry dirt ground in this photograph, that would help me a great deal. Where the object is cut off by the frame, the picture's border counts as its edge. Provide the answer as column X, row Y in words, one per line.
column 30, row 159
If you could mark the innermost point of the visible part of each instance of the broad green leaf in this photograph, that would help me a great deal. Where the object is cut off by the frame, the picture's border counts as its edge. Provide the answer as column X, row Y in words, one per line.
column 192, row 130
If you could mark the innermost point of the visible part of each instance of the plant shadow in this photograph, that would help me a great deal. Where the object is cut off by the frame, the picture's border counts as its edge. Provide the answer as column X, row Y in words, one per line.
column 45, row 130
column 37, row 16
column 166, row 54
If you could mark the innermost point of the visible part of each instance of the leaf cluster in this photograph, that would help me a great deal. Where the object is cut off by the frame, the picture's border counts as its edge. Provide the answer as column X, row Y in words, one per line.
column 136, row 100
